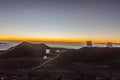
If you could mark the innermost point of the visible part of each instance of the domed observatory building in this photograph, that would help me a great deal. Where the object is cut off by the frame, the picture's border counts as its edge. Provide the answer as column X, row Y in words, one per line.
column 109, row 44
column 89, row 44
column 47, row 51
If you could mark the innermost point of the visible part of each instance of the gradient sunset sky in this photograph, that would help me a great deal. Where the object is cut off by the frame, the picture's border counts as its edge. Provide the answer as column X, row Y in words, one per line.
column 60, row 20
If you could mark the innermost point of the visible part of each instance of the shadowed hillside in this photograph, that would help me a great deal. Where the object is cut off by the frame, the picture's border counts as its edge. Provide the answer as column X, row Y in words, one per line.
column 1, row 52
column 25, row 49
column 24, row 55
column 87, row 56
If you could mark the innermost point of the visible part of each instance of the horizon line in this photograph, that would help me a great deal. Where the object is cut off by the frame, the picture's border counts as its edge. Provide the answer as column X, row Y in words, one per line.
column 71, row 41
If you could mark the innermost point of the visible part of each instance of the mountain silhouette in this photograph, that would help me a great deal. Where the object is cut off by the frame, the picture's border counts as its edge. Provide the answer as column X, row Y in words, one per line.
column 25, row 49
column 86, row 55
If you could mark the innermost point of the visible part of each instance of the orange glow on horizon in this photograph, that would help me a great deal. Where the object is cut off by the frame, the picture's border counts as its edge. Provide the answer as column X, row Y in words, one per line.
column 56, row 39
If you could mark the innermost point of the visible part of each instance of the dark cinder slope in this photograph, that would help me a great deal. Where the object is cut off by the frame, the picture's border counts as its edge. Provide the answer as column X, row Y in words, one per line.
column 25, row 49
column 90, row 56
column 1, row 52
column 24, row 55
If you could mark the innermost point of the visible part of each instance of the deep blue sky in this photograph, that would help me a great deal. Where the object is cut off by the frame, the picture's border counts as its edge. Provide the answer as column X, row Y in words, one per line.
column 97, row 20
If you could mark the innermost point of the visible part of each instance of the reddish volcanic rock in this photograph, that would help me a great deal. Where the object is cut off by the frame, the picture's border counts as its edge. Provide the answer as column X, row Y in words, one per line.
column 91, row 56
column 25, row 49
